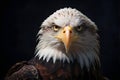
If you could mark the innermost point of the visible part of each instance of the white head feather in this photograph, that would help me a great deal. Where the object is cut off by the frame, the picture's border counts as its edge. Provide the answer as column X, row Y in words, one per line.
column 85, row 50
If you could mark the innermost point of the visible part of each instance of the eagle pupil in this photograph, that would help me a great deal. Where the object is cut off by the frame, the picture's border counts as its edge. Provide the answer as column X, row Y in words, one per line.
column 79, row 28
column 56, row 28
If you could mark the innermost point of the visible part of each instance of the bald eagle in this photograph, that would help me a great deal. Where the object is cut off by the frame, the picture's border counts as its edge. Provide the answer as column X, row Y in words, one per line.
column 67, row 49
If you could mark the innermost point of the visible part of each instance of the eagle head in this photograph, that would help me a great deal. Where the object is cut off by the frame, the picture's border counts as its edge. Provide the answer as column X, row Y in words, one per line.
column 68, row 35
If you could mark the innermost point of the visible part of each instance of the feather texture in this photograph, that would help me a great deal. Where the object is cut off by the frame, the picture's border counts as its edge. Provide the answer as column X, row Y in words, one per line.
column 52, row 62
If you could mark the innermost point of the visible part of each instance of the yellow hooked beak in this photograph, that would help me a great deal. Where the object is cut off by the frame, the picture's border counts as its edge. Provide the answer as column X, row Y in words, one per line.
column 67, row 36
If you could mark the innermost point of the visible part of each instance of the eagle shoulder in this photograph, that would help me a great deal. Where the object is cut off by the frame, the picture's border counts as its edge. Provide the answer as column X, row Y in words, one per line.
column 22, row 71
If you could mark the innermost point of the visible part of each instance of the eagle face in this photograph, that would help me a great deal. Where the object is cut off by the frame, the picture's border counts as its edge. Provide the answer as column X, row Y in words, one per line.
column 68, row 35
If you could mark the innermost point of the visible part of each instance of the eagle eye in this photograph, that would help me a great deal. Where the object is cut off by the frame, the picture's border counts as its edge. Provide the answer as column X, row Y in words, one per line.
column 56, row 28
column 79, row 28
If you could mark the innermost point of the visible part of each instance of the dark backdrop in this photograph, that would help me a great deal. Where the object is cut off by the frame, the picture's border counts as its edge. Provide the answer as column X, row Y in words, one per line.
column 21, row 20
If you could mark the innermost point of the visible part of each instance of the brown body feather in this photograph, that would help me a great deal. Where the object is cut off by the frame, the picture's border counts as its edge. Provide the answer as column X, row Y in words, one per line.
column 36, row 69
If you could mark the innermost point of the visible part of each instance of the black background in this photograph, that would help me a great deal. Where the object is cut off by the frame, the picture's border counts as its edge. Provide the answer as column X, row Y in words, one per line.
column 21, row 20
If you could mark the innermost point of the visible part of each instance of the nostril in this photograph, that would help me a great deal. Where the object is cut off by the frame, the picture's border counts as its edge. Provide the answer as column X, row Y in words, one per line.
column 70, row 31
column 63, row 31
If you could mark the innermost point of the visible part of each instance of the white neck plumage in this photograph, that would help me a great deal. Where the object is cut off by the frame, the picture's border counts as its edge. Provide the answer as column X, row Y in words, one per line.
column 85, row 59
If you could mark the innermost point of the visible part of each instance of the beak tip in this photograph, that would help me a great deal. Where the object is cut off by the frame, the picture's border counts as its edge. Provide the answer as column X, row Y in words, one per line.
column 66, row 49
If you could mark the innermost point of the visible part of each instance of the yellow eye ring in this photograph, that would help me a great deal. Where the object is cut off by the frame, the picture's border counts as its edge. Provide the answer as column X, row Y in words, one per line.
column 79, row 28
column 56, row 28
